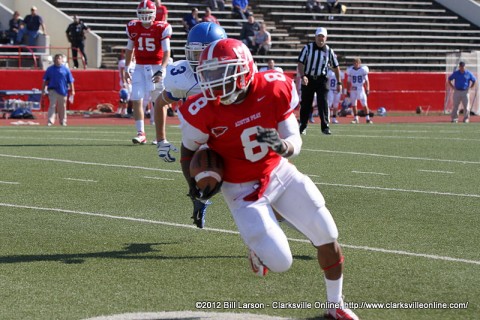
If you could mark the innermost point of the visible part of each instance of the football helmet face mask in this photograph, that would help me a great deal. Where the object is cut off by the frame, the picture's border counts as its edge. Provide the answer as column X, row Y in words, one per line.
column 226, row 69
column 146, row 11
column 199, row 37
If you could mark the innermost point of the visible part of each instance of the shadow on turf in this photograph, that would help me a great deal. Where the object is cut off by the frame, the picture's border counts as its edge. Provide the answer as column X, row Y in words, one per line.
column 131, row 251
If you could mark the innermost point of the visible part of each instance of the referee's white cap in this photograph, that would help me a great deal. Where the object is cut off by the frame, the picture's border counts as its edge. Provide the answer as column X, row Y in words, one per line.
column 322, row 31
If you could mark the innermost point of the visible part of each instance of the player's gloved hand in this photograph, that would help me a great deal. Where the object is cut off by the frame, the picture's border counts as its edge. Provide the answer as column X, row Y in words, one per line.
column 270, row 136
column 199, row 212
column 163, row 148
column 367, row 92
column 156, row 76
column 193, row 191
column 203, row 195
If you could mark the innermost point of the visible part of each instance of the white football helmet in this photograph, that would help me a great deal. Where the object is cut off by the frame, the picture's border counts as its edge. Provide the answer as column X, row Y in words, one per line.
column 146, row 11
column 226, row 69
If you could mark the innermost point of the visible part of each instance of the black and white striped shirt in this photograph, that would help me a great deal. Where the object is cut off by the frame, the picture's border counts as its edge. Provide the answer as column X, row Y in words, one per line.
column 316, row 60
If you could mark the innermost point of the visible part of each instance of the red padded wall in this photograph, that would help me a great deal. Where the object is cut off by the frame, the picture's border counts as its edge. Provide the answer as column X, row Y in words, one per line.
column 404, row 91
column 396, row 91
column 91, row 86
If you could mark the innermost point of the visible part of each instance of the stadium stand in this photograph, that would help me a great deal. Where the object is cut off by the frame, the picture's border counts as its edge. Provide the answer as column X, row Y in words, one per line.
column 394, row 35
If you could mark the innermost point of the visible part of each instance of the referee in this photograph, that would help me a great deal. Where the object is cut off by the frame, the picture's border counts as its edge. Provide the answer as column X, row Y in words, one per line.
column 313, row 63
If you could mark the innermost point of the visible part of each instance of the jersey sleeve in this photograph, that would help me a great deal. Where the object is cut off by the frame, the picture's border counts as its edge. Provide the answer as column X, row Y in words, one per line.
column 180, row 81
column 285, row 91
column 167, row 32
column 192, row 123
column 333, row 59
column 128, row 30
column 303, row 55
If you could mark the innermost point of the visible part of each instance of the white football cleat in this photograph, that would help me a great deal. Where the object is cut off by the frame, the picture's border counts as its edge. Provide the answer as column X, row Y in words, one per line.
column 335, row 121
column 355, row 121
column 257, row 266
column 140, row 138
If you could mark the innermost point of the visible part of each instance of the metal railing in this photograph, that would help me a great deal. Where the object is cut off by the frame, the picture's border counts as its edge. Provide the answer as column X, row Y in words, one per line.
column 39, row 55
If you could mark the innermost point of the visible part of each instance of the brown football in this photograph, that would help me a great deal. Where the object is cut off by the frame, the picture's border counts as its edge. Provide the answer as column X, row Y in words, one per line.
column 207, row 169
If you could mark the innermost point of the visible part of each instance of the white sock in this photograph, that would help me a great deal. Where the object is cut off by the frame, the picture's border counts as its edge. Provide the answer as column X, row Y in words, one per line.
column 334, row 290
column 140, row 125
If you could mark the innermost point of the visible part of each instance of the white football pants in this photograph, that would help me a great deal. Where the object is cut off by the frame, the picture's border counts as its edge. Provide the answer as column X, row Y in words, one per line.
column 296, row 198
column 142, row 82
column 358, row 95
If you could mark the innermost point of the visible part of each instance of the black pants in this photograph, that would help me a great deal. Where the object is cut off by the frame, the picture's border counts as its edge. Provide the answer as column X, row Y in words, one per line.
column 338, row 7
column 78, row 46
column 319, row 86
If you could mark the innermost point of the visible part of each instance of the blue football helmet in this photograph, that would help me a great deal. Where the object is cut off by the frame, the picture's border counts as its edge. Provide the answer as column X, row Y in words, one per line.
column 382, row 111
column 199, row 37
column 123, row 95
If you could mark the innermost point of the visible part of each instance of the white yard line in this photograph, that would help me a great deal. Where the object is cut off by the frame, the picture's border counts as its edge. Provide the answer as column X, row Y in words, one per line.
column 366, row 248
column 377, row 173
column 468, row 195
column 9, row 182
column 405, row 137
column 159, row 178
column 436, row 171
column 392, row 157
column 88, row 163
column 81, row 180
column 179, row 171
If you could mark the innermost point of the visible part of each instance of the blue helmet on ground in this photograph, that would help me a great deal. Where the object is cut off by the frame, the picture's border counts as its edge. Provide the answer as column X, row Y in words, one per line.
column 199, row 37
column 382, row 111
column 123, row 95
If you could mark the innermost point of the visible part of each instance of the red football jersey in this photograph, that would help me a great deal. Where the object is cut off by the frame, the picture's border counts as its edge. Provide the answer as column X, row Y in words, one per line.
column 161, row 13
column 148, row 41
column 231, row 130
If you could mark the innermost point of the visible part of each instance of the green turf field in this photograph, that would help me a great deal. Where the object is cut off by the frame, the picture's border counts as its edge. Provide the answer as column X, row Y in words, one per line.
column 92, row 225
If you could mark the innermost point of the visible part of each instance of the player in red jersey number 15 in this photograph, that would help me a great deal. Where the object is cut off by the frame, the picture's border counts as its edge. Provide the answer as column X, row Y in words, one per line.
column 149, row 42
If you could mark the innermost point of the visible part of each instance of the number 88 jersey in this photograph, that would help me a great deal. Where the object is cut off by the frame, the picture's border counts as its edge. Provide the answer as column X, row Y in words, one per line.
column 148, row 40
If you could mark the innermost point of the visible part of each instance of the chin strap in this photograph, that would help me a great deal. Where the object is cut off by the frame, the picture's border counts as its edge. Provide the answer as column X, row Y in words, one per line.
column 231, row 98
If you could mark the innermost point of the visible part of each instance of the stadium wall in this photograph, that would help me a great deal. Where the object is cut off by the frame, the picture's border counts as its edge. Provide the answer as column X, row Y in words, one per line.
column 396, row 91
column 92, row 87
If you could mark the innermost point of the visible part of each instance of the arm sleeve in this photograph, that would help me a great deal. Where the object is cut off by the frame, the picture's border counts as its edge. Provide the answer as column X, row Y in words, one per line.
column 288, row 130
column 166, row 44
column 130, row 45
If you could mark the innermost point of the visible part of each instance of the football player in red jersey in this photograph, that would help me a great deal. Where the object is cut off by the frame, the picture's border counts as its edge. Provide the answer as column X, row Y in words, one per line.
column 149, row 41
column 247, row 117
column 162, row 12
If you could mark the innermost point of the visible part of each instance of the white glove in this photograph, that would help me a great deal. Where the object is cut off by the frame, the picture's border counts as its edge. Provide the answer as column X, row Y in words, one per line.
column 163, row 148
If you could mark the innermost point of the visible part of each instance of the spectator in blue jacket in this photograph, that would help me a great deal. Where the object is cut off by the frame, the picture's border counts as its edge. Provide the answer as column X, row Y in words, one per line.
column 190, row 20
column 240, row 9
column 57, row 81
